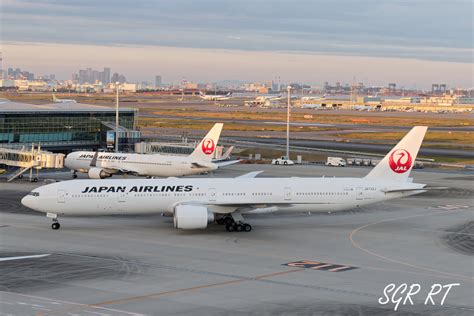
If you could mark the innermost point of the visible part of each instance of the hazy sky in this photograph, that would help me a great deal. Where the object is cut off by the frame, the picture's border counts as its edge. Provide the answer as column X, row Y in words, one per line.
column 377, row 41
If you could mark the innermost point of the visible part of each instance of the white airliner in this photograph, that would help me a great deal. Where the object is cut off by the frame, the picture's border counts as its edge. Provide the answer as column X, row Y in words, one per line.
column 104, row 165
column 312, row 106
column 215, row 97
column 196, row 202
column 56, row 100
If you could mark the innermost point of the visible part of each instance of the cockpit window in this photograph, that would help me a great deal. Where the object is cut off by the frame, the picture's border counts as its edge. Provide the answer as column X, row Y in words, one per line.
column 34, row 193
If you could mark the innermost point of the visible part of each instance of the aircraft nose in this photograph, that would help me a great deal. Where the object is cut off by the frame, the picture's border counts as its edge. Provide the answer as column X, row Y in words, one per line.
column 67, row 160
column 27, row 201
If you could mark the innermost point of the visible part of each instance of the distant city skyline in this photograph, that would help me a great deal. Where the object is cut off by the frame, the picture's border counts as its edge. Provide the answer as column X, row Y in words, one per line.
column 409, row 42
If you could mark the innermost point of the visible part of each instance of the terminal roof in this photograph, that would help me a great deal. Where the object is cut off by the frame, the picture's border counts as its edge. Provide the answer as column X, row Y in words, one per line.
column 7, row 106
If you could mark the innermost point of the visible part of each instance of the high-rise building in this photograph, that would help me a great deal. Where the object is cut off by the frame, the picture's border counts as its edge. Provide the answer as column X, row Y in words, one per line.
column 122, row 79
column 157, row 81
column 2, row 73
column 106, row 75
column 116, row 77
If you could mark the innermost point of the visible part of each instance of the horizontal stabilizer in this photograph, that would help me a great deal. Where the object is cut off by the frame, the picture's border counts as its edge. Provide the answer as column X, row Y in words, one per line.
column 389, row 190
column 226, row 163
column 202, row 164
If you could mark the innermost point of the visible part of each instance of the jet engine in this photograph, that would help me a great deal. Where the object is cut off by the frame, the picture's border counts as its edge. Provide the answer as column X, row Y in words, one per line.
column 98, row 173
column 192, row 217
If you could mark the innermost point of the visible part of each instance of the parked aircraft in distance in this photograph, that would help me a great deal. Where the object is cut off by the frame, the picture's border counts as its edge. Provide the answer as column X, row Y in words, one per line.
column 265, row 101
column 105, row 164
column 56, row 100
column 312, row 106
column 215, row 97
column 363, row 107
column 196, row 202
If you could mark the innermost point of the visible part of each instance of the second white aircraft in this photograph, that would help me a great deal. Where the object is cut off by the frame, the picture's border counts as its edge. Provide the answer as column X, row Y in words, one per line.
column 104, row 165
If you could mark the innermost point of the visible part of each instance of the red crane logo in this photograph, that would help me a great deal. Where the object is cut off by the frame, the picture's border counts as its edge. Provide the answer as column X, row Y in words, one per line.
column 208, row 146
column 400, row 161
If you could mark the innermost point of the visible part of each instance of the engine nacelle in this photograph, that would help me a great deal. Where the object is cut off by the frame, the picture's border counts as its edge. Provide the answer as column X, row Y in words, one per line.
column 192, row 217
column 98, row 173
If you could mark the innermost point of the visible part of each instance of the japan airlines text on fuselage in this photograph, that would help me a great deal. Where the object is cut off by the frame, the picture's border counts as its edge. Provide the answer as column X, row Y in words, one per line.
column 196, row 202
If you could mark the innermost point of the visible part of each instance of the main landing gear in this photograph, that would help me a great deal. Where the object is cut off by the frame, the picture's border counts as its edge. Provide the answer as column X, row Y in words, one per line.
column 233, row 225
column 74, row 175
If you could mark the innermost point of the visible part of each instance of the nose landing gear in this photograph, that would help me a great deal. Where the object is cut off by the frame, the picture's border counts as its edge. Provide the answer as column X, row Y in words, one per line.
column 54, row 217
column 55, row 225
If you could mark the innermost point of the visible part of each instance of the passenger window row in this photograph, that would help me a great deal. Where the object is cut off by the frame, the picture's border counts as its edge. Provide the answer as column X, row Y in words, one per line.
column 322, row 193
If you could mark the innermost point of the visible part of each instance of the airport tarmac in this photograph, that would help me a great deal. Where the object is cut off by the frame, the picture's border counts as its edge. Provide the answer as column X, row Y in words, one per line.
column 134, row 265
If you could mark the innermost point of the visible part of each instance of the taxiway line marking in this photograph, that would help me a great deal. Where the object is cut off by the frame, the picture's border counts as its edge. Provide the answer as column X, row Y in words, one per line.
column 194, row 288
column 24, row 257
column 47, row 300
column 355, row 244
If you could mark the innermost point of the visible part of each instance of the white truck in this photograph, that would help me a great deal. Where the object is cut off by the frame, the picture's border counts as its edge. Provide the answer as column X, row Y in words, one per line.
column 283, row 160
column 336, row 162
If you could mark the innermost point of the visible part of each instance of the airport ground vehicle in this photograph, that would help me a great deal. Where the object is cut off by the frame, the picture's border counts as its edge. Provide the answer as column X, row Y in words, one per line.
column 194, row 203
column 335, row 162
column 283, row 160
column 105, row 164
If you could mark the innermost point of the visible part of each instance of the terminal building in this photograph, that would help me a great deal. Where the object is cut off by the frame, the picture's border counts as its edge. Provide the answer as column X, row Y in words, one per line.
column 63, row 127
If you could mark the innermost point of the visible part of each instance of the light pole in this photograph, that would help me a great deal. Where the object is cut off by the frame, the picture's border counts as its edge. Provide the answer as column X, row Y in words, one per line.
column 117, row 117
column 288, row 124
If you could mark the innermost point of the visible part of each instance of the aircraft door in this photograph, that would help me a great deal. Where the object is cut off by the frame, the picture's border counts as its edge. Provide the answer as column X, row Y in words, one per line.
column 212, row 194
column 61, row 196
column 287, row 194
column 359, row 193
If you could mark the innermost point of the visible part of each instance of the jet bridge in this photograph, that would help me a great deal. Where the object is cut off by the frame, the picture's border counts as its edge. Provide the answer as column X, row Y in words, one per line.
column 29, row 160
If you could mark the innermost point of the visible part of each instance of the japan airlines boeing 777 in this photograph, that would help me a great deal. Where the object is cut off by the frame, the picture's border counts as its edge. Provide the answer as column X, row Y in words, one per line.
column 196, row 202
column 104, row 165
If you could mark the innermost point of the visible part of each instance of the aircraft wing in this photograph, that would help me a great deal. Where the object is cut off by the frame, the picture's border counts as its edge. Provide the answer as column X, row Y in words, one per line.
column 252, row 174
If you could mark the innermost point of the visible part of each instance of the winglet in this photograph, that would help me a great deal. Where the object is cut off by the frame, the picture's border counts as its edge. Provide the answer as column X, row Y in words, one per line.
column 207, row 146
column 397, row 164
column 227, row 153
